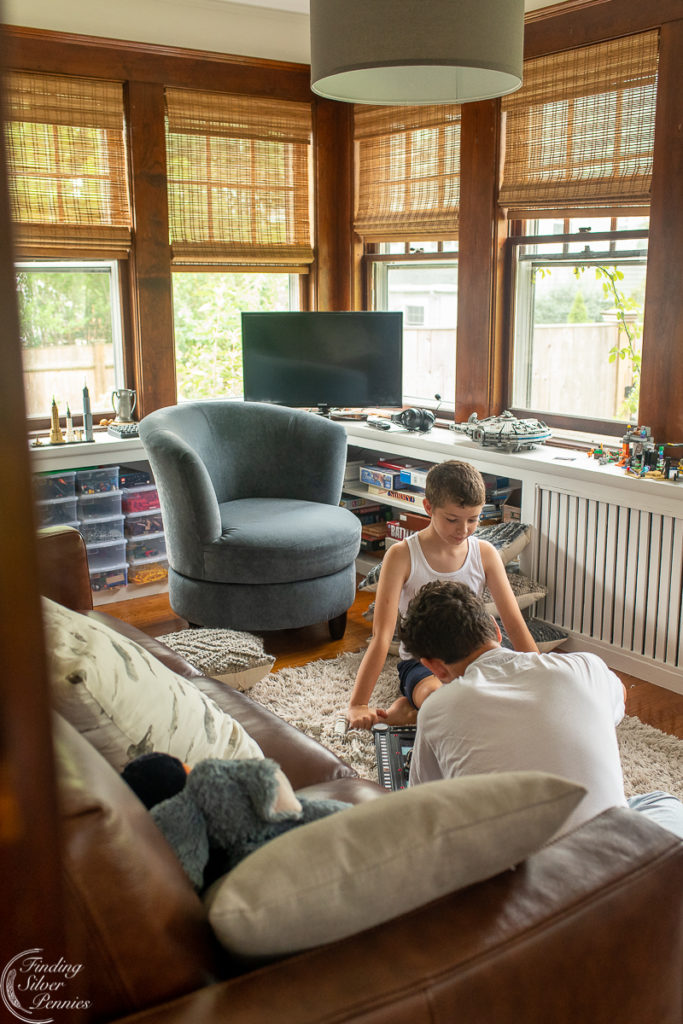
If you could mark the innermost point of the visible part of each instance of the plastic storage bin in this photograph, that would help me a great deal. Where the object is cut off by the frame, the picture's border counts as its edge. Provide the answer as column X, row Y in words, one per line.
column 139, row 499
column 100, row 556
column 57, row 512
column 147, row 570
column 151, row 545
column 49, row 486
column 129, row 477
column 110, row 578
column 99, row 506
column 99, row 531
column 97, row 481
column 139, row 523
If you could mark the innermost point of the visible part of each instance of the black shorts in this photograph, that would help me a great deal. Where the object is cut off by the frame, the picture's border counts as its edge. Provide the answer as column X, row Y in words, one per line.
column 410, row 673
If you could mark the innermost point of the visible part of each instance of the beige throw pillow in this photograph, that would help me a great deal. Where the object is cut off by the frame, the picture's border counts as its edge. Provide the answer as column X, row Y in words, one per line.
column 104, row 682
column 375, row 861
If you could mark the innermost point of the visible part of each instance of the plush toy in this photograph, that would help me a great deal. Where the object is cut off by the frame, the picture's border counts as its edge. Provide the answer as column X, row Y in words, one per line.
column 155, row 777
column 224, row 811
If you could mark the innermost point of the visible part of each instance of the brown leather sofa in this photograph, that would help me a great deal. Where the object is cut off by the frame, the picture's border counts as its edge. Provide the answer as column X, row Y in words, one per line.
column 589, row 929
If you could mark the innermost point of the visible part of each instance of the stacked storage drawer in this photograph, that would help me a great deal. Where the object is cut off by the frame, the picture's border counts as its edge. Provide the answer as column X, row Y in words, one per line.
column 101, row 524
column 144, row 529
column 56, row 499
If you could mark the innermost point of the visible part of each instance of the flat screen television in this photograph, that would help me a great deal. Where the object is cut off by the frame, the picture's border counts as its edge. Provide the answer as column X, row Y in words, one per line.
column 324, row 360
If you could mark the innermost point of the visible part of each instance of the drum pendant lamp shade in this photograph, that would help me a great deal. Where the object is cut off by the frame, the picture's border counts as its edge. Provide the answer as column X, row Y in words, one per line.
column 416, row 51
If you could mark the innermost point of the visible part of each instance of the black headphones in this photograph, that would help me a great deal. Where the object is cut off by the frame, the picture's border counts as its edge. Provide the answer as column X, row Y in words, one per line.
column 414, row 419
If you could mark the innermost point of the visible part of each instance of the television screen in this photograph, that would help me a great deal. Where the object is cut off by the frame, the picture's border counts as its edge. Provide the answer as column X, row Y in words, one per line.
column 349, row 360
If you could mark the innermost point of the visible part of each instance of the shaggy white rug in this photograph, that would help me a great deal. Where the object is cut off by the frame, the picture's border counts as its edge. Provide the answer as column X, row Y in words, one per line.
column 314, row 696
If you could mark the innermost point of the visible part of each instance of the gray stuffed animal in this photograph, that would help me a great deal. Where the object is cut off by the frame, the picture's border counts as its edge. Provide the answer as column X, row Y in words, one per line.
column 227, row 809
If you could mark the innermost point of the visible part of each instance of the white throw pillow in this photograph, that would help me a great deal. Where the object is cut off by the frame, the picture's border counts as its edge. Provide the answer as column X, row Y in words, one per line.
column 106, row 680
column 375, row 861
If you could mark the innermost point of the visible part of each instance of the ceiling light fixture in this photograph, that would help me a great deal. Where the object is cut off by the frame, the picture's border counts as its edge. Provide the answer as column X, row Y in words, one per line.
column 416, row 51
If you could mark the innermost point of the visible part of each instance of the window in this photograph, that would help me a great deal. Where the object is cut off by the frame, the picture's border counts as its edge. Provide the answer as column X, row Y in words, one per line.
column 407, row 203
column 426, row 292
column 68, row 188
column 578, row 325
column 239, row 218
column 70, row 327
column 208, row 331
column 576, row 175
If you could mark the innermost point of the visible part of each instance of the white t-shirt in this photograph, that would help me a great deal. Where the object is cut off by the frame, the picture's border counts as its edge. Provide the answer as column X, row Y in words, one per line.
column 471, row 572
column 514, row 711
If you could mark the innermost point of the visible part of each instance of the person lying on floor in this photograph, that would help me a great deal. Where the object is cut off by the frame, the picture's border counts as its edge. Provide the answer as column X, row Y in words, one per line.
column 504, row 710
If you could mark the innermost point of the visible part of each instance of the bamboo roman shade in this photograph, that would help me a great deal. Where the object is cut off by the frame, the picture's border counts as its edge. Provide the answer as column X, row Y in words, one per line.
column 68, row 179
column 579, row 134
column 238, row 180
column 408, row 172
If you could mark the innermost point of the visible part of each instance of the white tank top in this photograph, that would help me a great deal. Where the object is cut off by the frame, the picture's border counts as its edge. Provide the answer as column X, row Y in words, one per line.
column 470, row 572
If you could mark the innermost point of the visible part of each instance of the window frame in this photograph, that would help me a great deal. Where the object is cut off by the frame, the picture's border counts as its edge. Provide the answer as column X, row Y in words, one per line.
column 372, row 257
column 519, row 239
column 117, row 283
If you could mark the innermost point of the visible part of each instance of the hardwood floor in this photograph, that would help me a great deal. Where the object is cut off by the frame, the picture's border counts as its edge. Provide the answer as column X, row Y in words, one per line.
column 651, row 704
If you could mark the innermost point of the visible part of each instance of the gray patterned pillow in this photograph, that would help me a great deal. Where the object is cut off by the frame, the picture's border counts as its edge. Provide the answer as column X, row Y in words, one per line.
column 104, row 682
column 229, row 655
column 547, row 636
column 507, row 538
column 526, row 591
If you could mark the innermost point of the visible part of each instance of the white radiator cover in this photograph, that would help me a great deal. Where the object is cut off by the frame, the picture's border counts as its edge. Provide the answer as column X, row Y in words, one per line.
column 615, row 577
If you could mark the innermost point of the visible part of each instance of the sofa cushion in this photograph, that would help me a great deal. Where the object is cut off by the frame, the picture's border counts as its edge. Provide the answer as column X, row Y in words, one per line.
column 279, row 540
column 378, row 860
column 106, row 684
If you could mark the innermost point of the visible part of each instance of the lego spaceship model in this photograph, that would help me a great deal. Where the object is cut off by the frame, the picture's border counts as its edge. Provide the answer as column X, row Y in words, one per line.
column 505, row 431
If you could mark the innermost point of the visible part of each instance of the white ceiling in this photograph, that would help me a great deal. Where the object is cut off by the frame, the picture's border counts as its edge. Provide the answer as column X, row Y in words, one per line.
column 275, row 29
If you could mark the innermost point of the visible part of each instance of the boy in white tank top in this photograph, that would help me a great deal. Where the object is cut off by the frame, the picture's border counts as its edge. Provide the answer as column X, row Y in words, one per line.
column 445, row 550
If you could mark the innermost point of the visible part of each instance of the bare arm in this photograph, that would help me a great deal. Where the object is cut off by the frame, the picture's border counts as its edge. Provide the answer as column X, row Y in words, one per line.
column 505, row 601
column 395, row 571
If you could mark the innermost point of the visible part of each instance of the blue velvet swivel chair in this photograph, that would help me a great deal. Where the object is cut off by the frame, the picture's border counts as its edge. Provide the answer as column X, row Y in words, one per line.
column 249, row 495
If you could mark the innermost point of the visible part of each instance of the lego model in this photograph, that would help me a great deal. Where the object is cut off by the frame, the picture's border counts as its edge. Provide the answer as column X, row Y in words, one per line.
column 505, row 431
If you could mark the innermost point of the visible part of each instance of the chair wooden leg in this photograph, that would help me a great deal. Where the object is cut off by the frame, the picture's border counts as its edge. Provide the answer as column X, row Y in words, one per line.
column 337, row 626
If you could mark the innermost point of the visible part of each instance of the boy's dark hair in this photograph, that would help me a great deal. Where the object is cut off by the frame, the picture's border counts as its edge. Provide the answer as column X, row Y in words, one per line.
column 454, row 483
column 447, row 621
